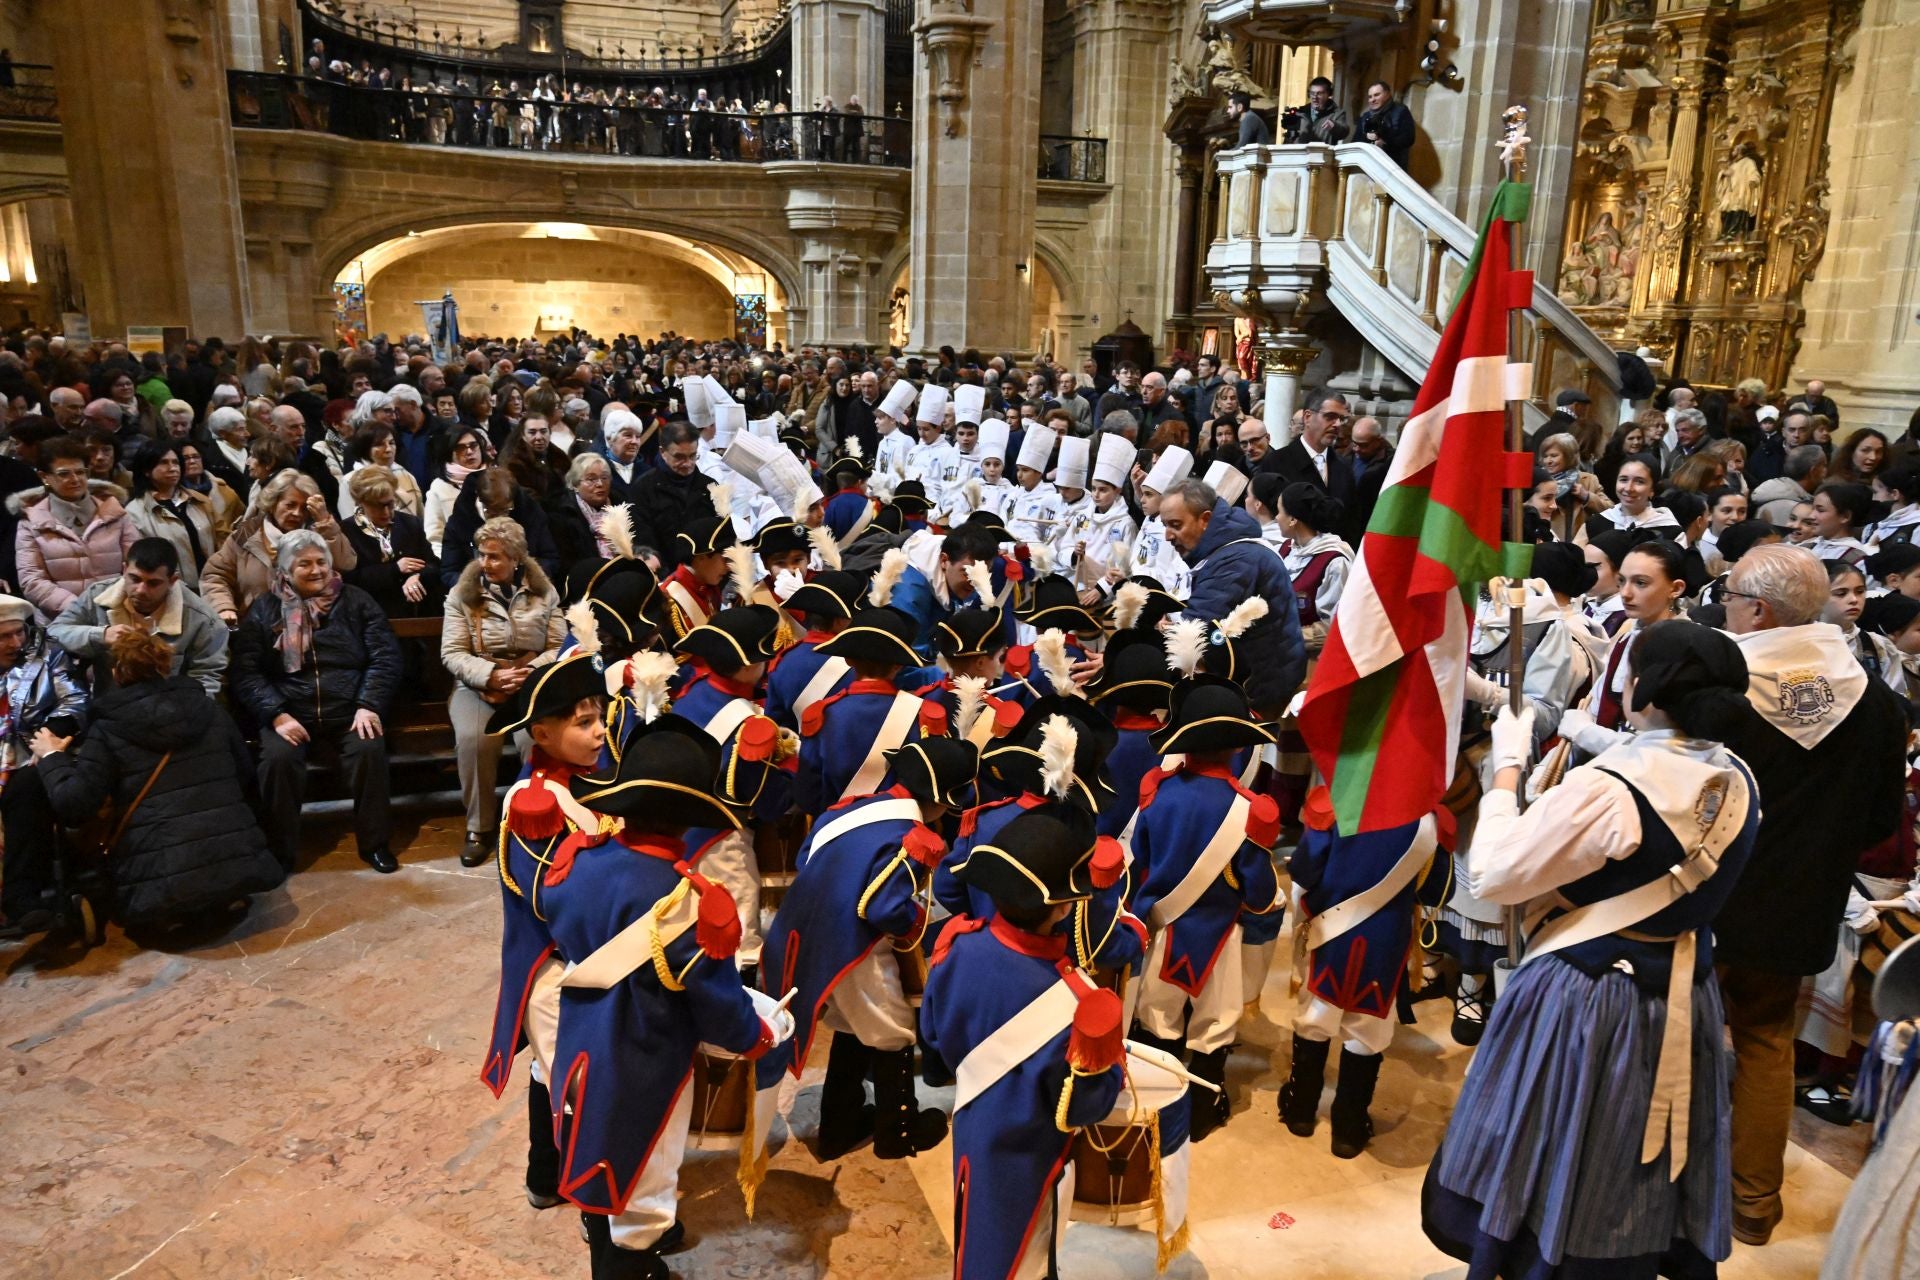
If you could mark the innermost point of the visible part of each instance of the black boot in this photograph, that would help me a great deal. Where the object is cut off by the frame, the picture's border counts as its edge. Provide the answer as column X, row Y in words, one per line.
column 611, row 1262
column 543, row 1157
column 846, row 1121
column 1210, row 1109
column 900, row 1128
column 1352, row 1126
column 1300, row 1095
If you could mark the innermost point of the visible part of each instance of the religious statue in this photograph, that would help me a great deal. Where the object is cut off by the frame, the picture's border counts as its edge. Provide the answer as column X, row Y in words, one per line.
column 1223, row 69
column 1737, row 193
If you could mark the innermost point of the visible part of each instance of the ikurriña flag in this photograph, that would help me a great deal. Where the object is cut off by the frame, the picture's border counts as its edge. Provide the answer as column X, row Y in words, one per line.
column 1382, row 713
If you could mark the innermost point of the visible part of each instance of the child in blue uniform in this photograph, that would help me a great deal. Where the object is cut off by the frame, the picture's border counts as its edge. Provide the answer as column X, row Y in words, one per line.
column 849, row 511
column 1133, row 689
column 1202, row 857
column 854, row 916
column 794, row 683
column 1037, row 1047
column 560, row 709
column 845, row 738
column 651, row 975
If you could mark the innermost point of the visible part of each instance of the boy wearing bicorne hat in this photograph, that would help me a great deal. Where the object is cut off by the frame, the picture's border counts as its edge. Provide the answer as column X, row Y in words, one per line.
column 560, row 708
column 850, row 510
column 854, row 915
column 1202, row 854
column 728, row 656
column 1133, row 690
column 697, row 585
column 801, row 675
column 972, row 644
column 651, row 975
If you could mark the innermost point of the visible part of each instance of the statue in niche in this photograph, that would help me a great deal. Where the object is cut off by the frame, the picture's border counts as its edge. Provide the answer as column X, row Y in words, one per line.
column 1628, row 260
column 1737, row 194
column 1224, row 71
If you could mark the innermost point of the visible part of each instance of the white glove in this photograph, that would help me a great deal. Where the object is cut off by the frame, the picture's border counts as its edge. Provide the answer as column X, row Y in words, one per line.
column 1484, row 691
column 786, row 582
column 1512, row 739
column 1911, row 899
column 1299, row 701
column 778, row 1020
column 1580, row 729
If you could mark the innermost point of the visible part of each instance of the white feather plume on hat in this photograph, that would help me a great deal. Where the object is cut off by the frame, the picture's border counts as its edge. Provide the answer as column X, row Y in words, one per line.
column 970, row 697
column 586, row 632
column 853, row 448
column 617, row 528
column 892, row 565
column 651, row 672
column 720, row 494
column 1128, row 604
column 1058, row 742
column 1040, row 556
column 1050, row 651
column 822, row 539
column 981, row 579
column 740, row 569
column 1186, row 645
column 1242, row 616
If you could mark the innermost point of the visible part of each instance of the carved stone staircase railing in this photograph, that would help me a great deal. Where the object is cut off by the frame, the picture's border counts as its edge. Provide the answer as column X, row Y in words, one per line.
column 1307, row 227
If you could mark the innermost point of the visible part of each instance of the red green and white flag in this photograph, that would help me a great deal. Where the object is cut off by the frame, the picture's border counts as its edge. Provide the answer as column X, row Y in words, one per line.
column 1382, row 713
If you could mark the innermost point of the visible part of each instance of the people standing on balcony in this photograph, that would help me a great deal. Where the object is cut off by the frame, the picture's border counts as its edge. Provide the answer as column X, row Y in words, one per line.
column 1320, row 120
column 1387, row 124
column 1253, row 129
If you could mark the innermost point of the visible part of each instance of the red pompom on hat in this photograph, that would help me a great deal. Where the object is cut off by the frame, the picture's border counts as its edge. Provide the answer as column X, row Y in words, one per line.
column 923, row 845
column 933, row 719
column 1098, row 1040
column 535, row 813
column 758, row 738
column 1263, row 821
column 1109, row 862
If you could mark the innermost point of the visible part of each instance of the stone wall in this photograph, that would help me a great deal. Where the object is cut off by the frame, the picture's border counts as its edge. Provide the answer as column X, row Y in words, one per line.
column 515, row 287
column 584, row 21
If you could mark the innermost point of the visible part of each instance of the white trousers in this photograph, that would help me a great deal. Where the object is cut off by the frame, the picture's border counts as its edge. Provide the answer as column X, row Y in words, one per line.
column 869, row 1004
column 1033, row 1262
column 1256, row 960
column 1216, row 1010
column 730, row 862
column 542, row 1018
column 1358, row 1032
column 656, row 1197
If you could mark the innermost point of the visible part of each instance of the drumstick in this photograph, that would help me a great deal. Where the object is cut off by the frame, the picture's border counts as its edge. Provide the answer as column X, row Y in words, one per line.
column 1182, row 1072
column 785, row 998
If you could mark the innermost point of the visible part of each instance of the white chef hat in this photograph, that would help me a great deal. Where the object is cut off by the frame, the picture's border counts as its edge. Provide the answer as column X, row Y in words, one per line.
column 1071, row 471
column 899, row 401
column 1228, row 481
column 1114, row 462
column 699, row 405
column 1173, row 465
column 993, row 441
column 729, row 421
column 749, row 454
column 933, row 406
column 788, row 484
column 969, row 402
column 1036, row 447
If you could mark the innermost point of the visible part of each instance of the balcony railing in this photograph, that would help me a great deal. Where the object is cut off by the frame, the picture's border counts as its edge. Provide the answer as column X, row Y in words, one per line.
column 27, row 92
column 1068, row 159
column 532, row 125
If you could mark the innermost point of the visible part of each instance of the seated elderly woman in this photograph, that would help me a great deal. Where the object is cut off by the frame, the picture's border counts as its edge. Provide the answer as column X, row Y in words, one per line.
column 221, row 498
column 395, row 565
column 316, row 666
column 177, row 770
column 488, row 495
column 574, row 519
column 502, row 619
column 243, row 569
column 227, row 439
column 163, row 507
column 176, row 420
column 40, row 691
column 374, row 447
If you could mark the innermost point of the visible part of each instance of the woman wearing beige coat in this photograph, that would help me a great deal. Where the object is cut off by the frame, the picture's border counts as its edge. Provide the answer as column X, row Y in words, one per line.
column 242, row 569
column 503, row 618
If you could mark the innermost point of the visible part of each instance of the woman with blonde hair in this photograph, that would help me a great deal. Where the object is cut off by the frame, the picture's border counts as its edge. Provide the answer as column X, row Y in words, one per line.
column 502, row 619
column 242, row 570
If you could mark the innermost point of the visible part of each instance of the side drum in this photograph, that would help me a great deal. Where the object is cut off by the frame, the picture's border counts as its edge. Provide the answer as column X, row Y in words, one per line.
column 722, row 1090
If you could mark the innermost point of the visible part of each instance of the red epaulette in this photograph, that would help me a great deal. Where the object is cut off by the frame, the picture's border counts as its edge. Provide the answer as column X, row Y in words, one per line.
column 1316, row 811
column 1150, row 784
column 717, row 926
column 933, row 718
column 956, row 927
column 923, row 845
column 814, row 718
column 535, row 812
column 1019, row 660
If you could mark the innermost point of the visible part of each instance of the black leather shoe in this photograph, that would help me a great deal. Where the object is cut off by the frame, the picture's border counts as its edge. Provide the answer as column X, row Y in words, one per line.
column 474, row 851
column 381, row 860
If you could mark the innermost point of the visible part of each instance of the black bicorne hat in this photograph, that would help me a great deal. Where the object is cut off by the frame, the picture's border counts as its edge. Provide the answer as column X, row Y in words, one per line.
column 876, row 634
column 734, row 638
column 1210, row 713
column 936, row 770
column 968, row 633
column 832, row 593
column 551, row 690
column 705, row 535
column 1042, row 858
column 667, row 775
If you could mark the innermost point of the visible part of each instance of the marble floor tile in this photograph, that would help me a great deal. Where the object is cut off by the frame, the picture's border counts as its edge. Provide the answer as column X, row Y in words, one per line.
column 297, row 1095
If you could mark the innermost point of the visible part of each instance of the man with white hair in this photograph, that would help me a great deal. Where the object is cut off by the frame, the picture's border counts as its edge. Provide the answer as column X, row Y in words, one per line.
column 413, row 434
column 1817, row 402
column 1826, row 742
column 69, row 408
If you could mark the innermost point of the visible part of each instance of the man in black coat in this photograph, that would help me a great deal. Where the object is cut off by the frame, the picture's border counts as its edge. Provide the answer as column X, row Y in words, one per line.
column 1312, row 458
column 670, row 496
column 1370, row 457
column 1826, row 743
column 1386, row 124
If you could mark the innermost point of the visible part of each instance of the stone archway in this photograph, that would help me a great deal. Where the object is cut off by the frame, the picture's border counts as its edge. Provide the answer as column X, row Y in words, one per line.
column 1057, row 308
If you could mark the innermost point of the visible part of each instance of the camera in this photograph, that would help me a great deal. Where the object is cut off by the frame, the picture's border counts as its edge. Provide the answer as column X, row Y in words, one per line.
column 1292, row 121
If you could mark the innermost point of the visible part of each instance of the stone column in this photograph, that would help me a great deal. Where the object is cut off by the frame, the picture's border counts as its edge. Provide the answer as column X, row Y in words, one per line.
column 149, row 149
column 846, row 225
column 1860, row 335
column 1186, row 252
column 975, row 134
column 1284, row 358
column 839, row 50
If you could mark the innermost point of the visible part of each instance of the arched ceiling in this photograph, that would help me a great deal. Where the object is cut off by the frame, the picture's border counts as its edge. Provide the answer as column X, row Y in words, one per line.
column 723, row 265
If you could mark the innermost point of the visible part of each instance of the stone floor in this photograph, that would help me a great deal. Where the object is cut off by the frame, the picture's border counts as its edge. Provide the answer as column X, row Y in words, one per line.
column 300, row 1097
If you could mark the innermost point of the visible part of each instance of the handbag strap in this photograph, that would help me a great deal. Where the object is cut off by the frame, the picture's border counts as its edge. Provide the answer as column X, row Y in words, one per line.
column 120, row 827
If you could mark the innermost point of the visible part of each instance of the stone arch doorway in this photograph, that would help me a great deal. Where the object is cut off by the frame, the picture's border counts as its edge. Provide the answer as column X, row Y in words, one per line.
column 528, row 278
column 35, row 285
column 1055, row 308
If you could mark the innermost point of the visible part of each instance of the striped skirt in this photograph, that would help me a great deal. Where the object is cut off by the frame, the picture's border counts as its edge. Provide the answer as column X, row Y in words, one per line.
column 1540, row 1173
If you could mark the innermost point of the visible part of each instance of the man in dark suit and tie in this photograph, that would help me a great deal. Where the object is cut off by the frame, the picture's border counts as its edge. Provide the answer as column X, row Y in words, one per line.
column 1313, row 457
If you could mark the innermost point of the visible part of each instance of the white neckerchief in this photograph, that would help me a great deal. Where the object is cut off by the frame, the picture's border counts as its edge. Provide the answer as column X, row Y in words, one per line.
column 1651, row 518
column 1802, row 680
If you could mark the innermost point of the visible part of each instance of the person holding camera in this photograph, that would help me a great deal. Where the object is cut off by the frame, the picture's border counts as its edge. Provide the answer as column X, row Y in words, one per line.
column 1320, row 120
column 1387, row 124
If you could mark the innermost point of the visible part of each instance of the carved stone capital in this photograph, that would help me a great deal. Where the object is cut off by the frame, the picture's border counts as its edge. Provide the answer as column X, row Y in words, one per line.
column 951, row 37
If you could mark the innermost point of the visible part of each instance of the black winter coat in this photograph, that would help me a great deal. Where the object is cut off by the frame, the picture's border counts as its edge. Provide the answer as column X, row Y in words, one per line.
column 571, row 534
column 353, row 662
column 456, row 541
column 380, row 577
column 663, row 503
column 193, row 842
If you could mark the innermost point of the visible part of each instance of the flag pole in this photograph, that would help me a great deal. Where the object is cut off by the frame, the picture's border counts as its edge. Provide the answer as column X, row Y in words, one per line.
column 1513, row 153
